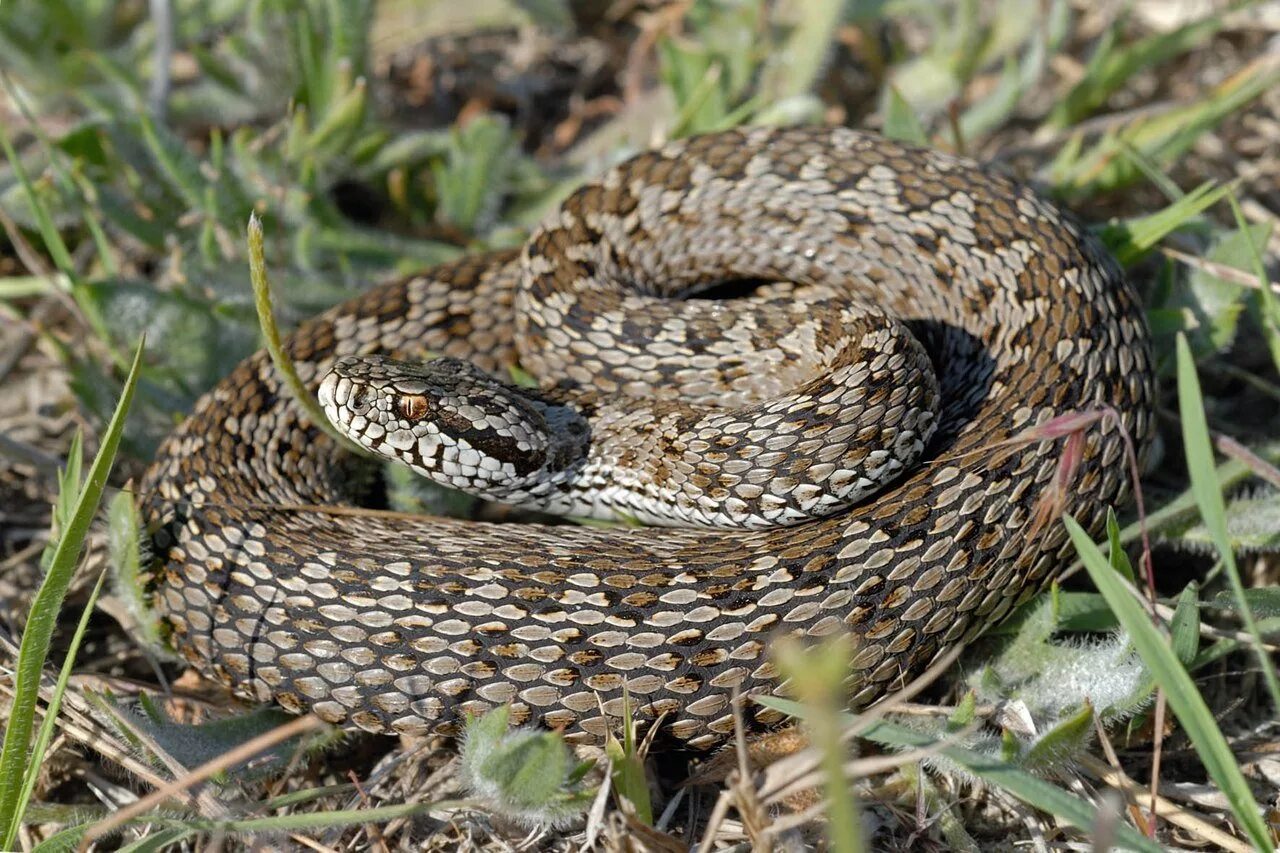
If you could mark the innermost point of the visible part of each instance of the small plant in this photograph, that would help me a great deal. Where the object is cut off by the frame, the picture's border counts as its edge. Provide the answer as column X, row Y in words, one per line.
column 1253, row 525
column 746, row 63
column 526, row 775
column 1046, row 693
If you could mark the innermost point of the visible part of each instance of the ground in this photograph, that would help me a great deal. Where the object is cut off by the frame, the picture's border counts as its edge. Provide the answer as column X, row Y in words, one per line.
column 377, row 139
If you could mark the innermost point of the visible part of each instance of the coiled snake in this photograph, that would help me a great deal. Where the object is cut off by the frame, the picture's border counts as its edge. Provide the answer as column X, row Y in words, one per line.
column 765, row 411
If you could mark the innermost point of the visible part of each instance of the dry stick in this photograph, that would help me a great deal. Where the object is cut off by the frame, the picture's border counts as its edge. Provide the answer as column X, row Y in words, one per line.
column 245, row 751
column 595, row 814
column 76, row 721
column 46, row 465
column 418, row 792
column 312, row 843
column 718, row 813
column 1232, row 274
column 859, row 768
column 374, row 832
column 1109, row 751
column 162, row 57
column 1228, row 446
column 1214, row 633
column 19, row 557
column 721, row 809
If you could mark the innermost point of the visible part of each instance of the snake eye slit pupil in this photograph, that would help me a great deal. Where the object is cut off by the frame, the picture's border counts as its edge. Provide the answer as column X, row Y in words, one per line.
column 412, row 407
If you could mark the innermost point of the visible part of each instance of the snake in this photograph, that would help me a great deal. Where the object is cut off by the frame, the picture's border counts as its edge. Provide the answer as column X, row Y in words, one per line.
column 829, row 371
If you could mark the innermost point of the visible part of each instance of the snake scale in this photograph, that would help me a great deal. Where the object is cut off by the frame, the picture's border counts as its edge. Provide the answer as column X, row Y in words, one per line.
column 394, row 624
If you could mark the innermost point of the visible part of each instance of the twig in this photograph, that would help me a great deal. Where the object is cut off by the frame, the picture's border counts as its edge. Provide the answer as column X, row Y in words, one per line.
column 1223, row 271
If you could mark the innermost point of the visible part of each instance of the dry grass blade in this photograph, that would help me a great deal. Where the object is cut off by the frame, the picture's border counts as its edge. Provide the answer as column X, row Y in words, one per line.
column 796, row 772
column 1223, row 271
column 78, row 721
column 1167, row 809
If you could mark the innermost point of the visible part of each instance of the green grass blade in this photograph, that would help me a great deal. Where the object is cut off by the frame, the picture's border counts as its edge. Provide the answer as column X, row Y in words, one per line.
column 300, row 821
column 275, row 346
column 49, row 233
column 1269, row 308
column 174, row 162
column 1213, row 510
column 628, row 774
column 49, row 724
column 63, row 841
column 1187, row 703
column 70, row 838
column 1129, row 240
column 53, row 241
column 900, row 120
column 124, row 547
column 28, row 286
column 1162, row 138
column 1113, row 65
column 1184, row 627
column 306, row 795
column 38, row 633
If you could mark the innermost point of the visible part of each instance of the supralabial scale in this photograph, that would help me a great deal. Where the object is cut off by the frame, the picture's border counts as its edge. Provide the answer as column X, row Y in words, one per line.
column 846, row 444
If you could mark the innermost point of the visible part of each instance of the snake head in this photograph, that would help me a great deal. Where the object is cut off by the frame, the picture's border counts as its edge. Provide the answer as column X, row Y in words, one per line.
column 453, row 423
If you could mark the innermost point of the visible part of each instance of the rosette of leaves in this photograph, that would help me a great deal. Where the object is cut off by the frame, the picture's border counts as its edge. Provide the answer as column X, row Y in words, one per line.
column 525, row 775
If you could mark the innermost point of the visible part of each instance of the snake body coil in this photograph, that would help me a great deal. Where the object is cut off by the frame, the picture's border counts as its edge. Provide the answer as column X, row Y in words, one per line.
column 402, row 624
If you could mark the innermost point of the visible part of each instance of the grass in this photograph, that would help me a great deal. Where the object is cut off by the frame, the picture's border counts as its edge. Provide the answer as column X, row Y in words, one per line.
column 76, row 507
column 122, row 223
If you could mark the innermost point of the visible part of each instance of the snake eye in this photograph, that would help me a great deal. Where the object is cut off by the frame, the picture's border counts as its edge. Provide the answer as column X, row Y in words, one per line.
column 412, row 407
